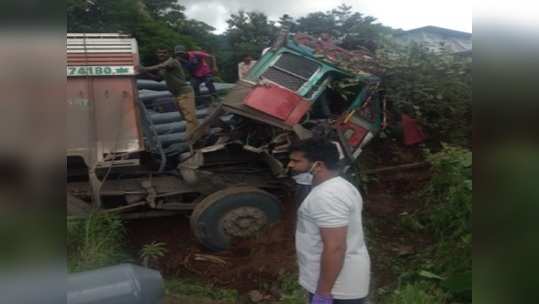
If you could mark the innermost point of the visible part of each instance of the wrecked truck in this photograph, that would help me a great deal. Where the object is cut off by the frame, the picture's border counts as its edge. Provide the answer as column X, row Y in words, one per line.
column 128, row 153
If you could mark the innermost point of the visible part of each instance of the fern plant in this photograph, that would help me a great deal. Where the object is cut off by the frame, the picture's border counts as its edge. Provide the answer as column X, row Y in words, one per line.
column 150, row 253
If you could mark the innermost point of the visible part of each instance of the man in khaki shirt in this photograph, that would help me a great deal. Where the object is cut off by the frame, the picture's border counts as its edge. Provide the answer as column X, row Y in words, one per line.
column 171, row 71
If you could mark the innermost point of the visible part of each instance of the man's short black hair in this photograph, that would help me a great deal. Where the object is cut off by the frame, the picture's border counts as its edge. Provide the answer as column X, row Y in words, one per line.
column 322, row 150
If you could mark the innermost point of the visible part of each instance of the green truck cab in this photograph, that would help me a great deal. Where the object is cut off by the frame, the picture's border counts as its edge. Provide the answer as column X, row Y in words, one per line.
column 292, row 86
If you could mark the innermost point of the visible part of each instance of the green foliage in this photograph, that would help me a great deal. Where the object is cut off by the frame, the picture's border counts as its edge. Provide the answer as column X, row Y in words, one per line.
column 353, row 29
column 188, row 287
column 148, row 21
column 247, row 33
column 165, row 8
column 445, row 266
column 150, row 253
column 435, row 88
column 419, row 293
column 449, row 195
column 292, row 292
column 95, row 242
column 152, row 35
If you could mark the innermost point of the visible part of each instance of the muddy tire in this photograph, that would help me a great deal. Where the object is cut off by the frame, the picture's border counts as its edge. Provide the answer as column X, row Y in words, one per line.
column 236, row 212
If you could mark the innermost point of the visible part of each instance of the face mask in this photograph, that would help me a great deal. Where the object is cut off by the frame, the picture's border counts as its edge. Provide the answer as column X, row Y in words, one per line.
column 312, row 167
column 305, row 178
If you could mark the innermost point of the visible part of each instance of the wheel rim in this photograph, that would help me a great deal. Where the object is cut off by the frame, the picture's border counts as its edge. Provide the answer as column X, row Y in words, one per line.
column 243, row 221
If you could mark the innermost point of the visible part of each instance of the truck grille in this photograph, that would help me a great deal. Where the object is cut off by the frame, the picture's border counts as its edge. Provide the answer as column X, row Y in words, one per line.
column 291, row 71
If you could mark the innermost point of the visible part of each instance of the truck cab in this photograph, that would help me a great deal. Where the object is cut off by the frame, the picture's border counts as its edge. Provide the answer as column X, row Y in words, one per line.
column 290, row 86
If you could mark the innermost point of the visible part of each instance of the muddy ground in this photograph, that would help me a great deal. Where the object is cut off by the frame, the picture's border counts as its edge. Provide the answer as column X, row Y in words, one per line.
column 257, row 264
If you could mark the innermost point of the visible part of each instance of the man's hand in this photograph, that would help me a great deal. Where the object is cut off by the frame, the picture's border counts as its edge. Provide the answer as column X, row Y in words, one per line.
column 319, row 299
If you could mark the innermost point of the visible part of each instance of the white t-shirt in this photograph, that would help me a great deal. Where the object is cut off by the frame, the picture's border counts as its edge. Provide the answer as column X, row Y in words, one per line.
column 243, row 68
column 333, row 203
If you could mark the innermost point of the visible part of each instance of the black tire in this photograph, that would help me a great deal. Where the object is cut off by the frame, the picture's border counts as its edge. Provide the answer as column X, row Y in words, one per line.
column 211, row 218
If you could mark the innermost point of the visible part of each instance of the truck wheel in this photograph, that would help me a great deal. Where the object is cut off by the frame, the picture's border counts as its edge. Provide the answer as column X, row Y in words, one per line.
column 236, row 212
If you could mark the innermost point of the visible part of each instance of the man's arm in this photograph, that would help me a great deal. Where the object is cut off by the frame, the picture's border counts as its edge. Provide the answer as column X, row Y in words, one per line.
column 332, row 259
column 153, row 68
column 168, row 64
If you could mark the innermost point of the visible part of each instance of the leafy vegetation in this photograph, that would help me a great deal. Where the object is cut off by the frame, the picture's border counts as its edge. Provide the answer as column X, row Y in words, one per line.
column 434, row 88
column 443, row 272
column 292, row 292
column 417, row 294
column 150, row 253
column 193, row 288
column 95, row 242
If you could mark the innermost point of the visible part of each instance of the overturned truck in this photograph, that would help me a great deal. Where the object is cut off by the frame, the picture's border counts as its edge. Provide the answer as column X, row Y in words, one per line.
column 128, row 153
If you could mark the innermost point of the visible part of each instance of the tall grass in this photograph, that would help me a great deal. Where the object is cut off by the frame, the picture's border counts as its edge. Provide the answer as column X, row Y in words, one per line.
column 94, row 242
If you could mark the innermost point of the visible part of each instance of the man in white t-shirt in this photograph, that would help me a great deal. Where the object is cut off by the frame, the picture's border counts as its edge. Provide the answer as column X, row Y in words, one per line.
column 244, row 66
column 334, row 264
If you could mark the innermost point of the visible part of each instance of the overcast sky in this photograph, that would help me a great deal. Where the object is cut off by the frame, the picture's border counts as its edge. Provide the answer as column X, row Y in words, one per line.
column 405, row 14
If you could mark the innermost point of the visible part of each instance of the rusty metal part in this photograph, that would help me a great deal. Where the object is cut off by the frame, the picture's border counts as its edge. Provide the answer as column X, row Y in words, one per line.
column 126, row 207
column 132, row 186
column 209, row 258
column 243, row 221
column 203, row 127
column 147, row 214
column 277, row 168
column 189, row 166
column 152, row 194
column 301, row 132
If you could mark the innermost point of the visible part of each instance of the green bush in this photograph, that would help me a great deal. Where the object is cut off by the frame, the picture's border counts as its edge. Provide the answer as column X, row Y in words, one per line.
column 449, row 197
column 419, row 293
column 292, row 292
column 434, row 88
column 94, row 242
column 443, row 272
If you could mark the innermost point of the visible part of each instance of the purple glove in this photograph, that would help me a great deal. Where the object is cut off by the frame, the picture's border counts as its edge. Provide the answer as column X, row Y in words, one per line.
column 318, row 299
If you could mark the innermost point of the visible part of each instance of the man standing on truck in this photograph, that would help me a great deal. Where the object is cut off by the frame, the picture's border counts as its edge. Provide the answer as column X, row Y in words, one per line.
column 171, row 71
column 334, row 264
column 201, row 65
column 245, row 65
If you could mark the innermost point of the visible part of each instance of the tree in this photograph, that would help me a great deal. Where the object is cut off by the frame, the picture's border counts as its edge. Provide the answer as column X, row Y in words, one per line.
column 288, row 20
column 252, row 31
column 352, row 30
column 145, row 20
column 165, row 8
column 318, row 23
column 247, row 33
